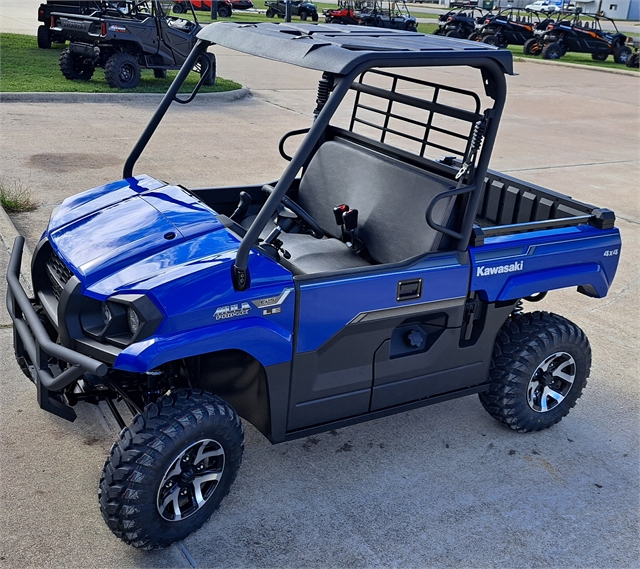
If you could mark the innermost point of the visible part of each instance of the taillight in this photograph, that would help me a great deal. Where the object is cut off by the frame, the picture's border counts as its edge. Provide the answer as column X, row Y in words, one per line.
column 104, row 29
column 550, row 27
column 53, row 22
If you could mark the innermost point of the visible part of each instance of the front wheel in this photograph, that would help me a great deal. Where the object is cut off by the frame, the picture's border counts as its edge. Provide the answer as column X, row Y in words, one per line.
column 303, row 15
column 474, row 36
column 74, row 66
column 122, row 71
column 622, row 55
column 171, row 469
column 552, row 50
column 634, row 60
column 314, row 16
column 178, row 8
column 491, row 39
column 454, row 34
column 270, row 13
column 224, row 11
column 539, row 368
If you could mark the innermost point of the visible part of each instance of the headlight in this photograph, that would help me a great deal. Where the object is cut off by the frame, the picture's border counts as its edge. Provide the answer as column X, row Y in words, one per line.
column 106, row 314
column 134, row 321
column 120, row 320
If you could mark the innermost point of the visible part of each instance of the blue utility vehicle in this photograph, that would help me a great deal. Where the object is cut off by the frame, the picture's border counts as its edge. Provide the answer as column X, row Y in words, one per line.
column 369, row 279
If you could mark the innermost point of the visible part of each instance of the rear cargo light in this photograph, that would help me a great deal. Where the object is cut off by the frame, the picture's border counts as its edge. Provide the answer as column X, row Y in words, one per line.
column 104, row 29
column 53, row 22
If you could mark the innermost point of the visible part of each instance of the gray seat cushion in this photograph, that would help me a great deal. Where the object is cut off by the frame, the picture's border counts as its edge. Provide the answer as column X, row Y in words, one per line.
column 391, row 198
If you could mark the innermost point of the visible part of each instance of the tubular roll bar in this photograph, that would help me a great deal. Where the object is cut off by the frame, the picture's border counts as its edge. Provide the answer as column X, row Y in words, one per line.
column 170, row 97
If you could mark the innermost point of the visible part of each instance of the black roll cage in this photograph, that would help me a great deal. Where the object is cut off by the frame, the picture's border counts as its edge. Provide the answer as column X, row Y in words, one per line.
column 495, row 88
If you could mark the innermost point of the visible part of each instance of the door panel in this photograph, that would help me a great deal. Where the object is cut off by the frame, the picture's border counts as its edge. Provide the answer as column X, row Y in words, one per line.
column 343, row 322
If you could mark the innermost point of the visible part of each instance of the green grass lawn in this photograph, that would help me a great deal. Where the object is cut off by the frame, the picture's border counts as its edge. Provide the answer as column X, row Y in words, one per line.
column 25, row 67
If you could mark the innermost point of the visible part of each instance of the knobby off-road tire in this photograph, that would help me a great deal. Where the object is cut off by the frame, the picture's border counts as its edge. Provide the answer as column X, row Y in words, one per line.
column 160, row 73
column 539, row 368
column 634, row 60
column 552, row 50
column 122, row 71
column 622, row 54
column 44, row 39
column 73, row 66
column 224, row 11
column 270, row 13
column 209, row 72
column 171, row 469
column 532, row 46
column 599, row 56
column 314, row 16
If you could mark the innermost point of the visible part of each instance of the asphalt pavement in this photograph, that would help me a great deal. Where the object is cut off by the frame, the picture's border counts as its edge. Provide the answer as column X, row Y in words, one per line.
column 443, row 486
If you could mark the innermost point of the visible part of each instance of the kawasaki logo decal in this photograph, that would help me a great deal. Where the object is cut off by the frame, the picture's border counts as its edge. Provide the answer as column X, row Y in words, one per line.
column 489, row 271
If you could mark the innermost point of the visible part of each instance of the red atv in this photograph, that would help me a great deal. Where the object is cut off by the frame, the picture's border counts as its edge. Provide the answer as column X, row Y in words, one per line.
column 348, row 12
column 225, row 7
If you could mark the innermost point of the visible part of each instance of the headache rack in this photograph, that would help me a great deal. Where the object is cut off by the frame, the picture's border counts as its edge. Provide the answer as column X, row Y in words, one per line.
column 390, row 114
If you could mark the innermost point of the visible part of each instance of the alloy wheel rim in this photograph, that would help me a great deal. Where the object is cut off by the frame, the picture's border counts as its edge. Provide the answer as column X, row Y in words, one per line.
column 191, row 480
column 551, row 382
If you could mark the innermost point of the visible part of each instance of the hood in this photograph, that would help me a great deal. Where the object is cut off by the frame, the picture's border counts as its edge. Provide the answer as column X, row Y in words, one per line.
column 99, row 232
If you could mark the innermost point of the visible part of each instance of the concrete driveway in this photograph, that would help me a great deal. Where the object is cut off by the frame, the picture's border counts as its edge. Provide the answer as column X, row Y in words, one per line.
column 444, row 486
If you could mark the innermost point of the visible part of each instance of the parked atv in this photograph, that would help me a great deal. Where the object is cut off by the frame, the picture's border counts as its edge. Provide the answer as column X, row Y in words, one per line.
column 225, row 7
column 392, row 15
column 372, row 277
column 304, row 10
column 512, row 27
column 124, row 42
column 460, row 23
column 348, row 12
column 634, row 58
column 582, row 33
column 45, row 36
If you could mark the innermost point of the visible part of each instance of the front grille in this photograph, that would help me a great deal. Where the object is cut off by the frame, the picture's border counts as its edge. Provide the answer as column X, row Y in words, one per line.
column 58, row 273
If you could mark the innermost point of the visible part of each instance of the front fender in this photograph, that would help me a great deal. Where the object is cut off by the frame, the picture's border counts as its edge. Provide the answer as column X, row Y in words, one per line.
column 267, row 342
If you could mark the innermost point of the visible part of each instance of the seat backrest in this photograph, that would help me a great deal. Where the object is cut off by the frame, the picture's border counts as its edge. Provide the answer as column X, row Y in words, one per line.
column 391, row 198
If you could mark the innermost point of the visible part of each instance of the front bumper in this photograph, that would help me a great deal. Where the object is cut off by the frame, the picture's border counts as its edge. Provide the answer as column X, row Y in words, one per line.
column 52, row 367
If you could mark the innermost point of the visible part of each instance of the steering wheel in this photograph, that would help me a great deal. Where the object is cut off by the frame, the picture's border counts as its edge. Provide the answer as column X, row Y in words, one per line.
column 302, row 215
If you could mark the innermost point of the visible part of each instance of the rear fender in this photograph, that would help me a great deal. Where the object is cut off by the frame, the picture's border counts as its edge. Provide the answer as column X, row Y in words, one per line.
column 515, row 266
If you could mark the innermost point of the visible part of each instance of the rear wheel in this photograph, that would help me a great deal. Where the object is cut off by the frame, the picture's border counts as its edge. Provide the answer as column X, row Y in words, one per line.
column 74, row 66
column 160, row 73
column 474, row 36
column 178, row 8
column 532, row 47
column 410, row 27
column 44, row 39
column 122, row 71
column 270, row 13
column 303, row 15
column 539, row 368
column 622, row 55
column 454, row 34
column 224, row 11
column 209, row 72
column 171, row 469
column 634, row 60
column 599, row 56
column 438, row 32
column 314, row 16
column 552, row 50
